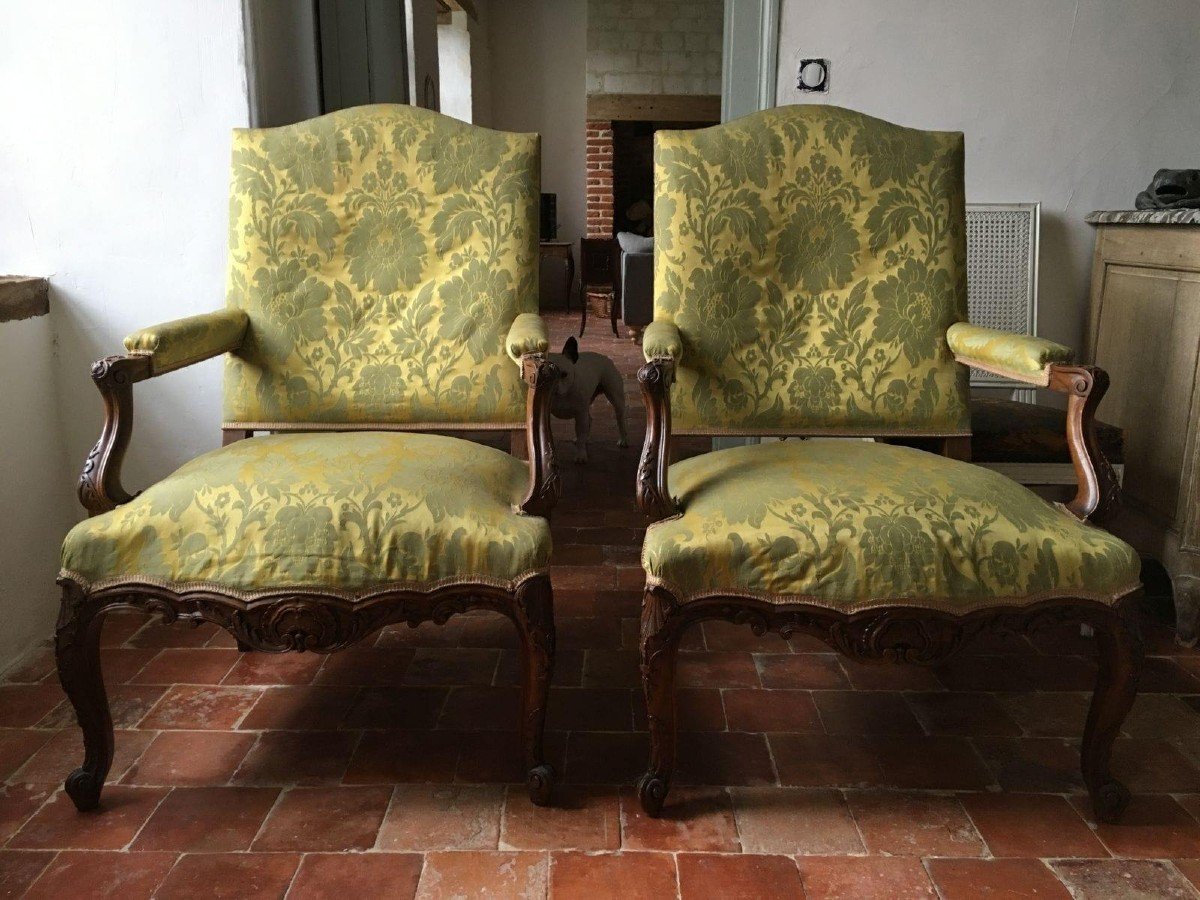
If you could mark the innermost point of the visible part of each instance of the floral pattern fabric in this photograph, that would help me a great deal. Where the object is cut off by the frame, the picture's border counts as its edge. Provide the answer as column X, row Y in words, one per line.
column 382, row 254
column 173, row 345
column 852, row 524
column 340, row 513
column 812, row 259
column 1018, row 355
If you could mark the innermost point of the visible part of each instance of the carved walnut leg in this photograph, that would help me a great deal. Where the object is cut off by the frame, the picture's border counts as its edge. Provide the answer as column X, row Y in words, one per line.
column 660, row 644
column 534, row 617
column 77, row 649
column 1119, row 645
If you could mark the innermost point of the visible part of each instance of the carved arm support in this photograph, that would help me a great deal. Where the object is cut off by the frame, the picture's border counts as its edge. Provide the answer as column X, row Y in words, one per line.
column 152, row 351
column 544, row 485
column 1044, row 363
column 653, row 493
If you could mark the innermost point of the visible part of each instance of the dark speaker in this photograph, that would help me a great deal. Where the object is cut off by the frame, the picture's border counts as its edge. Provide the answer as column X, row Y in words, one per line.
column 549, row 217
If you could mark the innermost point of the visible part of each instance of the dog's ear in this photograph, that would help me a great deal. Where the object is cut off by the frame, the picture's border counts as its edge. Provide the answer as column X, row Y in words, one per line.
column 571, row 350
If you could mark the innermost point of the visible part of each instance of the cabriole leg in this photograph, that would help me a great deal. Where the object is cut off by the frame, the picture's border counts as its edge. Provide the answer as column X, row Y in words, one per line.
column 77, row 650
column 534, row 617
column 1119, row 645
column 660, row 645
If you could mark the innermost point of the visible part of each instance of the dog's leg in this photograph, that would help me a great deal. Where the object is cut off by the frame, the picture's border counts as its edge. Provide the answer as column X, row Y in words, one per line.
column 583, row 428
column 613, row 387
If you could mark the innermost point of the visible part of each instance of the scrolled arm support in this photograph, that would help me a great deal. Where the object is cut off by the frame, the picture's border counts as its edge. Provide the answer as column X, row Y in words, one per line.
column 544, row 485
column 1099, row 492
column 653, row 494
column 100, row 487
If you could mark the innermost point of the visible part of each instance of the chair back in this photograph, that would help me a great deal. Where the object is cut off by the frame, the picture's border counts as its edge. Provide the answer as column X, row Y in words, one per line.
column 812, row 258
column 382, row 253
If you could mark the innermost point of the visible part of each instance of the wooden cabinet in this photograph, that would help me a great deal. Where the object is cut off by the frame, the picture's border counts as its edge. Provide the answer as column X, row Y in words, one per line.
column 556, row 274
column 1144, row 329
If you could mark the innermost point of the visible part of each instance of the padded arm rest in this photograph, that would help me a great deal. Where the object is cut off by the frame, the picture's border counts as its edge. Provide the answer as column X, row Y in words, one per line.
column 1018, row 356
column 527, row 334
column 661, row 340
column 173, row 345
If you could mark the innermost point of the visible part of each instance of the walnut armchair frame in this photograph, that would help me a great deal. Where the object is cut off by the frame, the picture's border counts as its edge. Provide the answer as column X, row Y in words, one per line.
column 293, row 620
column 900, row 633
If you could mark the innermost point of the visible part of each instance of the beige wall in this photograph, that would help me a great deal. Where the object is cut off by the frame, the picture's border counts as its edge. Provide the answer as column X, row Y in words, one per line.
column 1074, row 103
column 664, row 47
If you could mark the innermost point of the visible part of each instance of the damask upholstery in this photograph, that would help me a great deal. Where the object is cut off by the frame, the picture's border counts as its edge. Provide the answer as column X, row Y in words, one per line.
column 812, row 259
column 528, row 334
column 852, row 524
column 1019, row 356
column 382, row 254
column 173, row 345
column 346, row 513
column 661, row 340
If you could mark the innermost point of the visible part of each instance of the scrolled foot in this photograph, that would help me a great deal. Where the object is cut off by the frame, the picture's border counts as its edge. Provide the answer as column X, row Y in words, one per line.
column 1109, row 801
column 540, row 783
column 652, row 792
column 84, row 789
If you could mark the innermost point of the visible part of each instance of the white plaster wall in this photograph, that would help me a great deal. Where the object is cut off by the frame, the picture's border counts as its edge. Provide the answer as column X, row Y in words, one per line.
column 454, row 67
column 537, row 84
column 1071, row 102
column 660, row 47
column 114, row 168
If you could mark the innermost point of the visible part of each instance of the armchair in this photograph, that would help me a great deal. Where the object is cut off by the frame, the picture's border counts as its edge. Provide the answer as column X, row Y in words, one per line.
column 810, row 282
column 383, row 263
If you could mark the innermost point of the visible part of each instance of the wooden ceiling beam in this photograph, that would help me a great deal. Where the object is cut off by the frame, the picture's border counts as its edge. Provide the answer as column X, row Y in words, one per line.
column 655, row 107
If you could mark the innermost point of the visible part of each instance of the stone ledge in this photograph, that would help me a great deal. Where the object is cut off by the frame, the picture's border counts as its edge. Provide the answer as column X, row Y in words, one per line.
column 23, row 298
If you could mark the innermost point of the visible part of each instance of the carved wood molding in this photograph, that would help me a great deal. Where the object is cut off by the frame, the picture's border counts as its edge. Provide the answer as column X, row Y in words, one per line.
column 100, row 487
column 653, row 492
column 545, row 487
column 1099, row 492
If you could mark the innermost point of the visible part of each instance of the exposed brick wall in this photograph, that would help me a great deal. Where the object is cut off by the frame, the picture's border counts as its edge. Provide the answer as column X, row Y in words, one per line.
column 599, row 179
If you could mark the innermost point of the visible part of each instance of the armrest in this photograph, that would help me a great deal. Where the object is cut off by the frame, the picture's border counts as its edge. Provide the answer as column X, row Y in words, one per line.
column 526, row 335
column 653, row 494
column 544, row 485
column 661, row 340
column 173, row 345
column 1019, row 356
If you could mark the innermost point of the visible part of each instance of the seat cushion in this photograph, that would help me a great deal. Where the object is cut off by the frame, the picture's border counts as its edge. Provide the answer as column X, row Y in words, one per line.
column 346, row 513
column 854, row 524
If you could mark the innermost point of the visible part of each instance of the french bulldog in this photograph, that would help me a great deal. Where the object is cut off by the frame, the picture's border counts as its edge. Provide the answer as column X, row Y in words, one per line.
column 585, row 377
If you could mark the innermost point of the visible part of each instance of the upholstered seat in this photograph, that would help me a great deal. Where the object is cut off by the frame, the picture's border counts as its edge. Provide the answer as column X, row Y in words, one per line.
column 346, row 513
column 854, row 525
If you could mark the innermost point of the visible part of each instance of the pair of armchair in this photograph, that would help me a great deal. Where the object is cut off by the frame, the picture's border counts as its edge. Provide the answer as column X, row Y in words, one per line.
column 382, row 284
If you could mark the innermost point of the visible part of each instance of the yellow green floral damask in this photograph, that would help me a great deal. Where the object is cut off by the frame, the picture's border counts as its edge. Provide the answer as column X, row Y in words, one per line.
column 1022, row 356
column 812, row 259
column 382, row 254
column 337, row 513
column 181, row 342
column 852, row 524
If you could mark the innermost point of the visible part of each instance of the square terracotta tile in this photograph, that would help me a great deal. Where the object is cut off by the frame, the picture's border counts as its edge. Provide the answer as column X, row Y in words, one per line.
column 729, row 636
column 889, row 676
column 794, row 822
column 23, row 705
column 494, row 630
column 390, row 757
column 17, row 745
column 301, row 708
column 595, row 757
column 813, row 671
column 864, row 878
column 179, row 665
column 176, row 634
column 31, row 667
column 124, row 875
column 120, row 664
column 119, row 627
column 580, row 819
column 482, row 708
column 194, row 707
column 1106, row 879
column 631, row 876
column 455, row 665
column 963, row 714
column 325, row 818
column 496, row 757
column 1001, row 879
column 1152, row 766
column 866, row 712
column 590, row 709
column 613, row 668
column 738, row 877
column 914, row 824
column 443, row 817
column 190, row 758
column 427, row 634
column 297, row 757
column 1031, row 825
column 1036, row 765
column 1153, row 827
column 696, row 819
column 1190, row 869
column 734, row 758
column 122, row 812
column 17, row 803
column 340, row 875
column 274, row 668
column 397, row 707
column 820, row 760
column 932, row 763
column 1048, row 714
column 696, row 709
column 234, row 875
column 588, row 633
column 207, row 819
column 362, row 665
column 63, row 753
column 568, row 668
column 484, row 874
column 755, row 709
column 716, row 670
column 19, row 869
column 128, row 705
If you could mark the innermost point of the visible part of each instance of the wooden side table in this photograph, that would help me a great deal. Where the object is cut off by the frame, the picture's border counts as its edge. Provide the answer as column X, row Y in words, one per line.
column 1144, row 329
column 556, row 274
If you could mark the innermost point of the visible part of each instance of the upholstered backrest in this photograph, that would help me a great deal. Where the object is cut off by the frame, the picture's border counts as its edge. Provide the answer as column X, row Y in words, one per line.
column 382, row 254
column 812, row 258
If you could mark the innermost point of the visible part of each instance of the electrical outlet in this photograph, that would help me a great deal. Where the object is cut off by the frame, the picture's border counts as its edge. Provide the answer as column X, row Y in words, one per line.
column 813, row 76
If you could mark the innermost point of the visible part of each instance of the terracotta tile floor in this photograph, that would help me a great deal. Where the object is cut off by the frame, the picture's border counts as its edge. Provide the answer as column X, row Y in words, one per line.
column 387, row 769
